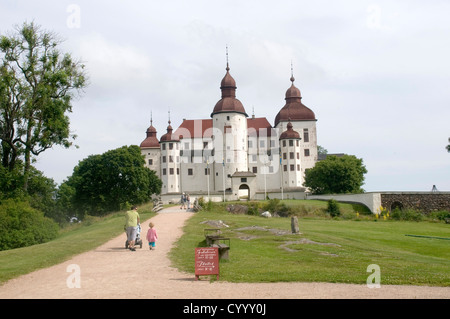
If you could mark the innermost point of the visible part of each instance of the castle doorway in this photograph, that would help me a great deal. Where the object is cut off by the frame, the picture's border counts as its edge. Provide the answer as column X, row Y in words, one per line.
column 244, row 192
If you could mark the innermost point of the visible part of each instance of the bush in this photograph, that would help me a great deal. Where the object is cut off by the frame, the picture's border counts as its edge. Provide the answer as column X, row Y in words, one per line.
column 440, row 215
column 406, row 214
column 21, row 225
column 333, row 208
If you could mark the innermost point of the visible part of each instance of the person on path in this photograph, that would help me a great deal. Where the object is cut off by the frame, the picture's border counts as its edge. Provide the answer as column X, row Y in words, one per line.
column 152, row 236
column 131, row 224
column 188, row 199
column 183, row 201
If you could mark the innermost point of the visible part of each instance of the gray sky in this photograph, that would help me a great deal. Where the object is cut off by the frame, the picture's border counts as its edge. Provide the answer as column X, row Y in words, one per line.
column 376, row 74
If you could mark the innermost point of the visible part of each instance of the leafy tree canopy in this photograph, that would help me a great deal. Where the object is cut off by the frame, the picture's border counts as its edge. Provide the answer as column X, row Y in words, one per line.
column 336, row 175
column 107, row 182
column 37, row 85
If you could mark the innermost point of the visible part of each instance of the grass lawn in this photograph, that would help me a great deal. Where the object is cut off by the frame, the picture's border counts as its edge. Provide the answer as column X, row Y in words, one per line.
column 72, row 241
column 327, row 250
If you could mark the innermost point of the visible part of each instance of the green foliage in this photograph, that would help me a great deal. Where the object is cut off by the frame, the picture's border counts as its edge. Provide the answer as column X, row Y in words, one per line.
column 37, row 85
column 333, row 208
column 109, row 182
column 407, row 214
column 21, row 225
column 336, row 175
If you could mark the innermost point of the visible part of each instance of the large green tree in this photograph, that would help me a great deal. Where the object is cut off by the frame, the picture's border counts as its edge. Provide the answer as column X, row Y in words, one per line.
column 37, row 85
column 336, row 175
column 107, row 182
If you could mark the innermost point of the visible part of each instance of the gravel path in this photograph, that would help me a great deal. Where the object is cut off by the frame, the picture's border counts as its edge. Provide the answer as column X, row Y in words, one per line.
column 111, row 271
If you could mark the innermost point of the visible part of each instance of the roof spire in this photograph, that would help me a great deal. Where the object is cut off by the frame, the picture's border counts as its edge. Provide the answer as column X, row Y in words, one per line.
column 292, row 73
column 169, row 116
column 151, row 118
column 226, row 48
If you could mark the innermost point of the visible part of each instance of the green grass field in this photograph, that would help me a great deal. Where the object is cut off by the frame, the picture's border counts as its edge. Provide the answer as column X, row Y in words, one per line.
column 327, row 250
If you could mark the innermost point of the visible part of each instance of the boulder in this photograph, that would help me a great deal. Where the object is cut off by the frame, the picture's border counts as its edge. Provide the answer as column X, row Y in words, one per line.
column 237, row 209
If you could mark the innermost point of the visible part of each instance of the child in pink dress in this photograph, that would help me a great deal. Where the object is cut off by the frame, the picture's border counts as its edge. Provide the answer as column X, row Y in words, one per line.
column 152, row 236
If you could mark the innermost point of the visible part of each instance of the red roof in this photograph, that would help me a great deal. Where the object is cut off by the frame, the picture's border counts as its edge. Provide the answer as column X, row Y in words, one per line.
column 294, row 110
column 260, row 125
column 194, row 128
column 151, row 140
column 203, row 128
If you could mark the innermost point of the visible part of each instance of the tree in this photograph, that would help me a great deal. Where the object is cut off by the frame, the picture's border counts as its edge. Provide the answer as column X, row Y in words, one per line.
column 336, row 175
column 37, row 85
column 107, row 182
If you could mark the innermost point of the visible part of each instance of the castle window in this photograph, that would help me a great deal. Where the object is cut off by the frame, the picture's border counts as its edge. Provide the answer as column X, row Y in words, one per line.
column 298, row 167
column 164, row 171
column 262, row 143
column 190, row 171
column 284, row 143
column 255, row 169
column 164, row 146
column 178, row 171
column 298, row 155
column 150, row 162
column 305, row 135
column 292, row 167
column 291, row 155
column 284, row 156
column 291, row 142
column 296, row 142
column 250, row 144
column 228, row 118
column 170, row 146
column 244, row 180
column 170, row 159
column 171, row 171
column 306, row 152
column 164, row 159
column 285, row 168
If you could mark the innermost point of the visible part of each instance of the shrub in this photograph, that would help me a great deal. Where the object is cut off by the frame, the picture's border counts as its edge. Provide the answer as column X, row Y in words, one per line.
column 440, row 215
column 21, row 225
column 406, row 214
column 333, row 208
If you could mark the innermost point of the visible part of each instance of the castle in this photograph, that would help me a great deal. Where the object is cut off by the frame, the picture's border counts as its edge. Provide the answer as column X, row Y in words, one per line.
column 231, row 155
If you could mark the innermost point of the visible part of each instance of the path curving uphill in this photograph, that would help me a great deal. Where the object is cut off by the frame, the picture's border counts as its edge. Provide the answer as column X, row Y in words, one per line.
column 111, row 271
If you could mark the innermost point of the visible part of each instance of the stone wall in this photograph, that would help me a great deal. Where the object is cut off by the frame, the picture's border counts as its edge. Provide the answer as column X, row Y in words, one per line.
column 423, row 201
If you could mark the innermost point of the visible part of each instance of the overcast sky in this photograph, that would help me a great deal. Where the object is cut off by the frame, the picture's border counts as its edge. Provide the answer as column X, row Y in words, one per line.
column 375, row 73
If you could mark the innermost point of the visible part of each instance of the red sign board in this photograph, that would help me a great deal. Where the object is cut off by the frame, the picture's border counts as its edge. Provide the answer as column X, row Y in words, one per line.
column 206, row 261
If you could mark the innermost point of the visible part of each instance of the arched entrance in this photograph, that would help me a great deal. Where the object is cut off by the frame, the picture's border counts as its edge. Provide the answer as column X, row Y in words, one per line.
column 396, row 205
column 244, row 192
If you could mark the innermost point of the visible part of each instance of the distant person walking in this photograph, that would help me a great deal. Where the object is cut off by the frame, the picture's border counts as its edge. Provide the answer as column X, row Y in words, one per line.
column 188, row 200
column 131, row 224
column 183, row 201
column 152, row 236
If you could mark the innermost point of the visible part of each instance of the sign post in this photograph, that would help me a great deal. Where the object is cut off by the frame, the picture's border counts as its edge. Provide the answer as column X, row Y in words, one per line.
column 206, row 261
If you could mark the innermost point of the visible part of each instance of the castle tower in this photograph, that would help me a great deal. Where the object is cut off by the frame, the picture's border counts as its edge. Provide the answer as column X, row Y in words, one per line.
column 290, row 158
column 151, row 150
column 170, row 162
column 303, row 121
column 230, row 135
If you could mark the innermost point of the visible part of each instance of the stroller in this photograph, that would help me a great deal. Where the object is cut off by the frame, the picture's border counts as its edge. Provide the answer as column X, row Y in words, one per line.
column 138, row 241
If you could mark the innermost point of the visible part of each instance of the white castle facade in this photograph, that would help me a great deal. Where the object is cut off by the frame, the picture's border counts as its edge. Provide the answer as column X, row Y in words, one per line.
column 231, row 155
